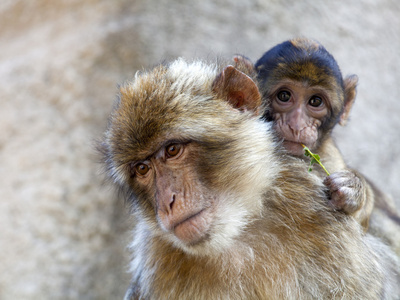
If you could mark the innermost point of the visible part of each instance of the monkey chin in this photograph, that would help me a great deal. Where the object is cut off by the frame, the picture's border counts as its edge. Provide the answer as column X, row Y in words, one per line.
column 194, row 229
column 213, row 229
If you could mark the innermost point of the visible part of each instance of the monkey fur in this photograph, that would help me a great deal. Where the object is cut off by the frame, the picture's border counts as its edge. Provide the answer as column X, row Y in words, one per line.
column 187, row 144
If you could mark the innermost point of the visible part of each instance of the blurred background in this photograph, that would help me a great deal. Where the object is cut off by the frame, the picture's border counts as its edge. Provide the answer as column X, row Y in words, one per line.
column 63, row 231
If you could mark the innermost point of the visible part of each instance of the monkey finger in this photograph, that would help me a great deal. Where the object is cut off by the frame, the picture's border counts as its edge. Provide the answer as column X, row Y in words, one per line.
column 331, row 184
column 345, row 199
column 337, row 200
column 342, row 179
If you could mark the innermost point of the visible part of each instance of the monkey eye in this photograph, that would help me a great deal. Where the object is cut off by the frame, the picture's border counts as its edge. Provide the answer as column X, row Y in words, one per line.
column 284, row 96
column 315, row 101
column 173, row 150
column 142, row 169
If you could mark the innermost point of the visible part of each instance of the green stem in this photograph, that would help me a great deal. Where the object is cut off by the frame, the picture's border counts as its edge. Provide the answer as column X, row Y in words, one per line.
column 315, row 157
column 326, row 171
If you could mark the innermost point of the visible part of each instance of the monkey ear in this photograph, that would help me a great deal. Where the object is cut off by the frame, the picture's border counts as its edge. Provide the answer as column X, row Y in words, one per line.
column 350, row 84
column 244, row 64
column 238, row 89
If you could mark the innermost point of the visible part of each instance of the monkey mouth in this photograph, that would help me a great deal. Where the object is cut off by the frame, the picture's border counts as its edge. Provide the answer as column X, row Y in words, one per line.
column 192, row 229
column 293, row 147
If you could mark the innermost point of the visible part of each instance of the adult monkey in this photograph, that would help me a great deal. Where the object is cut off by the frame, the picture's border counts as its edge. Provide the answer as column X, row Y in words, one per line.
column 221, row 212
column 306, row 97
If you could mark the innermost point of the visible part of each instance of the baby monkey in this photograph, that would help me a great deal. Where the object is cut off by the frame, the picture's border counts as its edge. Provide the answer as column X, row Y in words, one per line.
column 306, row 96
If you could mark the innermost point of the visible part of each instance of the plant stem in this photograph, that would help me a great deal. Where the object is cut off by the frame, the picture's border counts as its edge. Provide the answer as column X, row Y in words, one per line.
column 315, row 157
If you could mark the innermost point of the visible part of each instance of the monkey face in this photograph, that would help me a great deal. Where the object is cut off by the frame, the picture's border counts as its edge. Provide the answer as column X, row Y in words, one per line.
column 189, row 195
column 298, row 110
column 178, row 143
column 304, row 92
column 183, row 205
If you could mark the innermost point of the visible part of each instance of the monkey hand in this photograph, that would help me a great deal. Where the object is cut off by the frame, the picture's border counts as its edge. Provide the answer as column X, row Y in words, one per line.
column 346, row 191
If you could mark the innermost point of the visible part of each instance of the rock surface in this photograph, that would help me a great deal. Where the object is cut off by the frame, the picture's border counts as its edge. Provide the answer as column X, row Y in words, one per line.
column 63, row 232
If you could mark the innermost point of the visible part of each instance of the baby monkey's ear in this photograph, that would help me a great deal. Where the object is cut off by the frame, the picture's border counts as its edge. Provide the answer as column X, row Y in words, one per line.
column 244, row 64
column 350, row 85
column 238, row 89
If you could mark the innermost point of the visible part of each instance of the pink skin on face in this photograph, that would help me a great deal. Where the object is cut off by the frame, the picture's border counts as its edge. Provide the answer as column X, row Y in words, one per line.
column 298, row 111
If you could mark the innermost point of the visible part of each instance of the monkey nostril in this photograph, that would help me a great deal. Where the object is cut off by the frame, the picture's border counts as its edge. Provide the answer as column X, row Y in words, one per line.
column 295, row 131
column 172, row 201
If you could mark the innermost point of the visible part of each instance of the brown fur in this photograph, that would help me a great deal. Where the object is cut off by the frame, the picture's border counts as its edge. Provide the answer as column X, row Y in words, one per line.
column 282, row 240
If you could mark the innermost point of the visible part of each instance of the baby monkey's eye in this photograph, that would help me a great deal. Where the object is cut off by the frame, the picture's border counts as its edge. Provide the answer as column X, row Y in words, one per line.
column 315, row 101
column 173, row 150
column 284, row 96
column 142, row 169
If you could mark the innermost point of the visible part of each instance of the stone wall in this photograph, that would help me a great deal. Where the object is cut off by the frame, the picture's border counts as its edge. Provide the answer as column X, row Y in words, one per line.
column 63, row 231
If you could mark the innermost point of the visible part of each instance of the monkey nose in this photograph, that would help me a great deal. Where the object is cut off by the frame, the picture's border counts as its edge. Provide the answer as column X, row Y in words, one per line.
column 296, row 130
column 166, row 202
